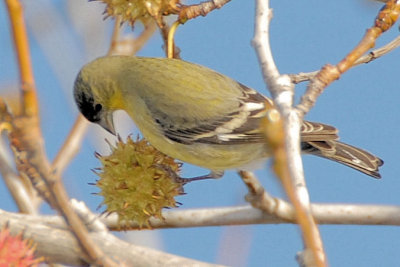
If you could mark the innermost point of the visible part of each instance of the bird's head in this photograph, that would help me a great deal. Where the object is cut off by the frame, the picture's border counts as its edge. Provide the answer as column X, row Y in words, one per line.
column 92, row 98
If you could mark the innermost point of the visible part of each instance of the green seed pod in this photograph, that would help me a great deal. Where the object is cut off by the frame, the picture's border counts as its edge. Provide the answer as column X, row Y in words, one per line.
column 137, row 181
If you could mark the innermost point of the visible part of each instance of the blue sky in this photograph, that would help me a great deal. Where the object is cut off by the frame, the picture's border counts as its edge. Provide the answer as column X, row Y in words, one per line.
column 305, row 35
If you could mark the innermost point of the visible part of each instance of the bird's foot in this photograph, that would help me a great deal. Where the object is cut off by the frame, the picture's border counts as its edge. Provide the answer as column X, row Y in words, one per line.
column 178, row 179
column 211, row 175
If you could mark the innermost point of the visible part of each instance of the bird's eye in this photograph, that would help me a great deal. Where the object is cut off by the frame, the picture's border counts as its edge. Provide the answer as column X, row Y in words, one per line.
column 98, row 107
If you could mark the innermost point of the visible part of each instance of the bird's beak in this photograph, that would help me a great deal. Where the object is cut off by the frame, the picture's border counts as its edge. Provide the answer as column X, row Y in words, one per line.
column 107, row 123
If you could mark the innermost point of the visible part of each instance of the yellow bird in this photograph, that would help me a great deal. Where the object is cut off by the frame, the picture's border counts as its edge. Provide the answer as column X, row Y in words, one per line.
column 197, row 115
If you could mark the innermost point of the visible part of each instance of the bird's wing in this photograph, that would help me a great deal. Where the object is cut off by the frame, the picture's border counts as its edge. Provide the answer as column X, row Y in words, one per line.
column 237, row 126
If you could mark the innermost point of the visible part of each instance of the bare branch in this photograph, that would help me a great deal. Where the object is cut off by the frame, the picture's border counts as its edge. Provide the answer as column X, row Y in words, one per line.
column 385, row 19
column 202, row 9
column 28, row 144
column 324, row 213
column 260, row 199
column 71, row 146
column 144, row 36
column 56, row 243
column 288, row 163
column 375, row 54
column 18, row 190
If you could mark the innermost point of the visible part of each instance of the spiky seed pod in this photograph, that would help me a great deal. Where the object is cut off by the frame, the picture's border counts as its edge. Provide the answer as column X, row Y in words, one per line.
column 143, row 10
column 137, row 181
column 16, row 251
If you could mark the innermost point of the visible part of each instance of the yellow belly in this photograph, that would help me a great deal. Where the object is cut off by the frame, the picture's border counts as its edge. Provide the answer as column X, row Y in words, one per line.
column 214, row 157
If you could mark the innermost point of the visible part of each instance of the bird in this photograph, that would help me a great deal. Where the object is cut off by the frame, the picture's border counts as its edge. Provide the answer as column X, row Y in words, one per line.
column 197, row 115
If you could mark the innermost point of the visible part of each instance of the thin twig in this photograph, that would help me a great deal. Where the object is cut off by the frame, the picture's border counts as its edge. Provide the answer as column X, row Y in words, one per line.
column 130, row 46
column 28, row 89
column 164, row 34
column 144, row 36
column 115, row 36
column 28, row 145
column 71, row 146
column 385, row 19
column 202, row 9
column 29, row 102
column 171, row 40
column 375, row 54
column 19, row 191
column 260, row 199
column 20, row 187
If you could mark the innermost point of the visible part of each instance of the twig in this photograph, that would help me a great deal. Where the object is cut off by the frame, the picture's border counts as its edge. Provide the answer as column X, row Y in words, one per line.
column 288, row 164
column 202, row 9
column 19, row 191
column 383, row 22
column 130, row 46
column 170, row 40
column 20, row 187
column 71, row 146
column 91, row 220
column 29, row 97
column 144, row 36
column 260, row 199
column 324, row 213
column 29, row 106
column 375, row 54
column 186, row 12
column 29, row 103
column 115, row 36
column 28, row 145
column 164, row 34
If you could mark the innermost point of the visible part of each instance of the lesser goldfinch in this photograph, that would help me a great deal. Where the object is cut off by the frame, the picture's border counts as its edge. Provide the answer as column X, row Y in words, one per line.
column 197, row 115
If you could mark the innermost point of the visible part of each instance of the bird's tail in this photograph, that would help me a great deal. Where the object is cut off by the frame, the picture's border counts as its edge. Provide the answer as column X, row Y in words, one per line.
column 348, row 155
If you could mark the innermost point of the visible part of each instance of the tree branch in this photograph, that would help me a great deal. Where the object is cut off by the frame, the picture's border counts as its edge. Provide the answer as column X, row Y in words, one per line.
column 374, row 54
column 202, row 9
column 385, row 19
column 287, row 157
column 56, row 243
